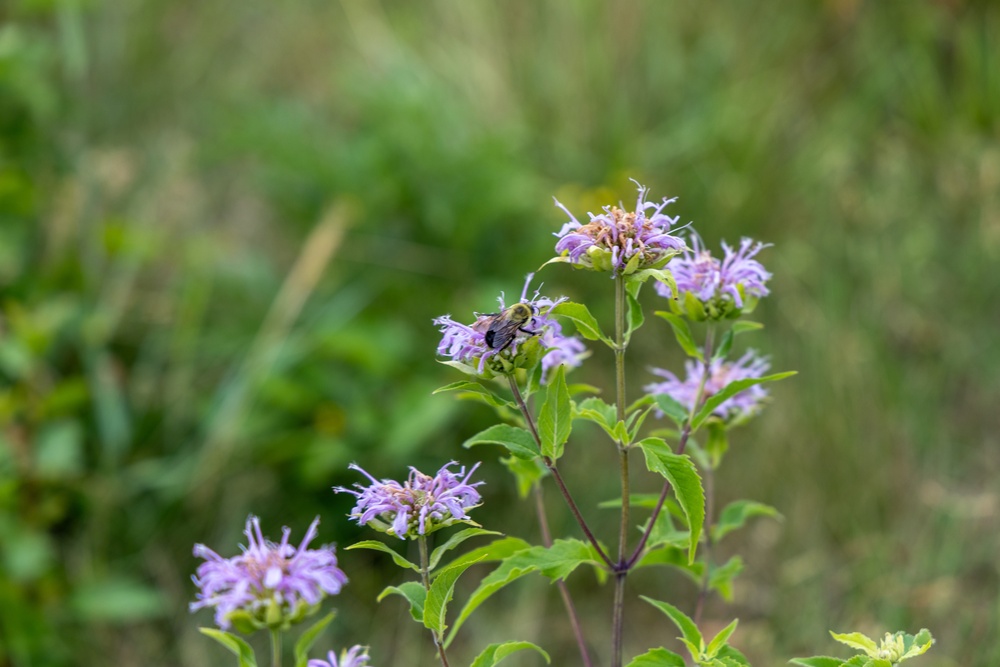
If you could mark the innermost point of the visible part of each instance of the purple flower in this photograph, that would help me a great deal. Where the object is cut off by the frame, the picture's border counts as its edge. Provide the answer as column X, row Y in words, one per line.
column 467, row 342
column 733, row 278
column 356, row 656
column 721, row 372
column 620, row 241
column 419, row 506
column 273, row 584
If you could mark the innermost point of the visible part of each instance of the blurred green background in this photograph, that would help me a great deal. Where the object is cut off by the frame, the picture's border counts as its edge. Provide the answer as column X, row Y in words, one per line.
column 225, row 227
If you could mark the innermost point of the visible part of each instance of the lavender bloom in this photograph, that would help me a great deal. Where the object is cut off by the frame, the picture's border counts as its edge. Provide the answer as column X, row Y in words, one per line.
column 720, row 373
column 356, row 656
column 737, row 275
column 272, row 583
column 621, row 241
column 419, row 506
column 467, row 343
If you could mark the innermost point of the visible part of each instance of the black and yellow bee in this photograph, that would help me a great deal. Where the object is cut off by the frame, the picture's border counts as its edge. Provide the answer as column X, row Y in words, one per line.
column 500, row 329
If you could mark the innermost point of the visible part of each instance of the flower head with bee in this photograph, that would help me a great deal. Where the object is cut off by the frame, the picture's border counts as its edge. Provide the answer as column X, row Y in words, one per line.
column 620, row 241
column 507, row 331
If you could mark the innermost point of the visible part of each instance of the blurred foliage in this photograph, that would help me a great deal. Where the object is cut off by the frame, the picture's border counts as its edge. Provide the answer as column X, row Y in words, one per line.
column 226, row 225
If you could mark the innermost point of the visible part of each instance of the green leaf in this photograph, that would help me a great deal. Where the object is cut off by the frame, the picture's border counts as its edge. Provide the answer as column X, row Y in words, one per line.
column 682, row 332
column 661, row 275
column 731, row 390
column 743, row 326
column 635, row 317
column 526, row 472
column 555, row 562
column 657, row 657
column 858, row 641
column 635, row 422
column 690, row 632
column 597, row 411
column 736, row 514
column 378, row 546
column 732, row 657
column 454, row 541
column 308, row 638
column 476, row 390
column 415, row 594
column 915, row 645
column 517, row 440
column 717, row 444
column 493, row 552
column 439, row 596
column 725, row 345
column 495, row 653
column 586, row 324
column 680, row 471
column 243, row 651
column 721, row 578
column 556, row 417
column 818, row 661
column 671, row 408
column 720, row 639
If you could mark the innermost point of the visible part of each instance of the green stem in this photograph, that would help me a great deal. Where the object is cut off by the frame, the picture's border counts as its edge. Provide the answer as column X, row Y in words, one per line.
column 425, row 575
column 621, row 571
column 275, row 647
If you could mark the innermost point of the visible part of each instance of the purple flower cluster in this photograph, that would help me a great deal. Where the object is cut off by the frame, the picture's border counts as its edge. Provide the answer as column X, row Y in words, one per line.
column 467, row 342
column 417, row 507
column 267, row 577
column 720, row 373
column 621, row 241
column 737, row 275
column 356, row 656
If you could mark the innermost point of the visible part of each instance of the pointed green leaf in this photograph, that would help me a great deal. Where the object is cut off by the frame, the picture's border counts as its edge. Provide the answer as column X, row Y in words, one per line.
column 493, row 552
column 508, row 571
column 635, row 317
column 818, row 661
column 596, row 410
column 732, row 657
column 661, row 275
column 680, row 471
column 682, row 332
column 439, row 596
column 720, row 639
column 635, row 423
column 690, row 632
column 721, row 578
column 415, row 594
column 517, row 440
column 243, row 651
column 671, row 408
column 736, row 514
column 731, row 390
column 743, row 326
column 476, row 389
column 556, row 417
column 454, row 541
column 495, row 653
column 586, row 324
column 858, row 641
column 308, row 638
column 725, row 345
column 657, row 657
column 379, row 546
column 914, row 645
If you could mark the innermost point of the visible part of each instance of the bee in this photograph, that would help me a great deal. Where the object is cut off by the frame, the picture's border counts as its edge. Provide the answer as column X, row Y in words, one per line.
column 500, row 329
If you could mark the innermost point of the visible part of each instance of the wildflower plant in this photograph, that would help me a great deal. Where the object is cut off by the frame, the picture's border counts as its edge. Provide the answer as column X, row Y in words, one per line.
column 517, row 361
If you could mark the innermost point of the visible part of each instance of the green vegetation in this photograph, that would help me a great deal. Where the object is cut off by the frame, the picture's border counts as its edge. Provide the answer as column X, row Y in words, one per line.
column 225, row 227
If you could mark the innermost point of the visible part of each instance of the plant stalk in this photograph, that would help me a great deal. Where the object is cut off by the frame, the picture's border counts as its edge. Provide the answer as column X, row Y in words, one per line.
column 275, row 647
column 621, row 571
column 425, row 576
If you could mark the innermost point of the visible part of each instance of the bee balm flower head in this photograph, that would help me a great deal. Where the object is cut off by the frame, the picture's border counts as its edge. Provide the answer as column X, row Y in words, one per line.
column 620, row 241
column 268, row 585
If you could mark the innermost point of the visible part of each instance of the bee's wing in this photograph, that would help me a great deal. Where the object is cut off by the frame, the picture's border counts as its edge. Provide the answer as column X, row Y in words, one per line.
column 501, row 333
